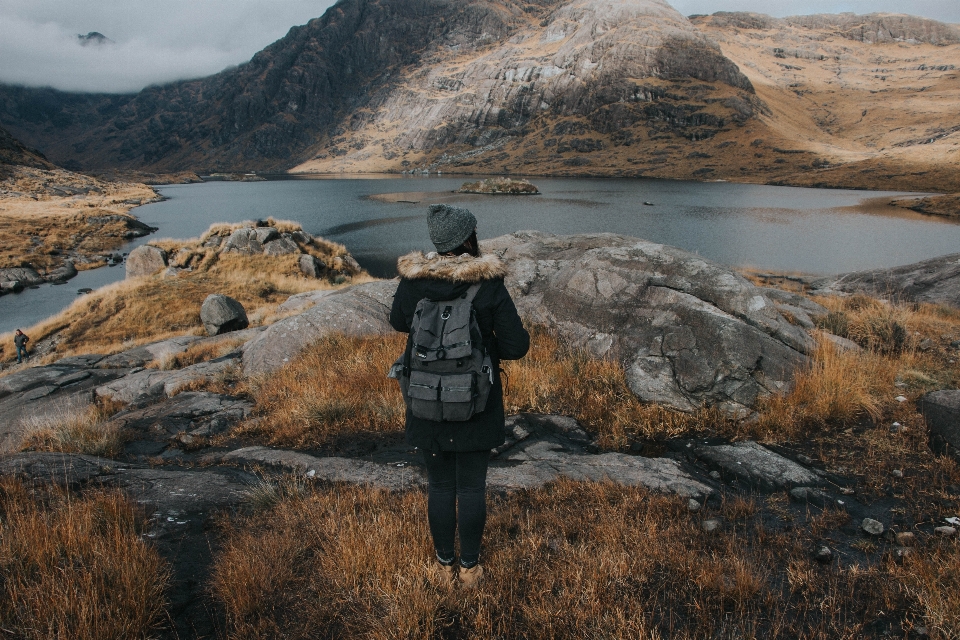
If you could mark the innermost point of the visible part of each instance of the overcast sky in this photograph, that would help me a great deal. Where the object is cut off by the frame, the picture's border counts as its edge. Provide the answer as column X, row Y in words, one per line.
column 157, row 41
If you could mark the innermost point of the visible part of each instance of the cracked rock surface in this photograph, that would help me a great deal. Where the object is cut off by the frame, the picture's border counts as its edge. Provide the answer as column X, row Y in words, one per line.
column 688, row 331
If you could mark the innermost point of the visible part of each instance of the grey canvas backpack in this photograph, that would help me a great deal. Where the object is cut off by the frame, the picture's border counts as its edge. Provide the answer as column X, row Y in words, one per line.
column 445, row 374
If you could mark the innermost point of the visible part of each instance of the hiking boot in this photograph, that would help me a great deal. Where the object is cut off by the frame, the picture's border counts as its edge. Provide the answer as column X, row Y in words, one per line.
column 471, row 577
column 442, row 575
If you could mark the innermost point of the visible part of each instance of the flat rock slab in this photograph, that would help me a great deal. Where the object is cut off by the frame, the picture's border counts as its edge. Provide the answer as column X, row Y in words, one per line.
column 544, row 462
column 688, row 331
column 360, row 310
column 757, row 466
column 155, row 383
column 37, row 395
column 539, row 449
column 164, row 489
column 144, row 355
column 936, row 280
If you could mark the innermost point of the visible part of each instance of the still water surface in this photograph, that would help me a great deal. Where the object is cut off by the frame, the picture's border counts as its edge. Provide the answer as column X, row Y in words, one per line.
column 819, row 231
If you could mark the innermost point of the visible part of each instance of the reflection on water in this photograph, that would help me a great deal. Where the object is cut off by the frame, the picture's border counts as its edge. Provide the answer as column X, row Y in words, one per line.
column 379, row 218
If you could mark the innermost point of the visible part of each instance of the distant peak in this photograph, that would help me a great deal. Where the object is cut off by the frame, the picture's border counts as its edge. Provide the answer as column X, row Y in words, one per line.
column 94, row 38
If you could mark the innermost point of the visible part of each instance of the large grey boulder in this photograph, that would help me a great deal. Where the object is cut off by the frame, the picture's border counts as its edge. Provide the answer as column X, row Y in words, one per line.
column 244, row 241
column 311, row 267
column 688, row 331
column 280, row 247
column 941, row 411
column 222, row 314
column 145, row 260
column 360, row 310
column 936, row 281
column 65, row 272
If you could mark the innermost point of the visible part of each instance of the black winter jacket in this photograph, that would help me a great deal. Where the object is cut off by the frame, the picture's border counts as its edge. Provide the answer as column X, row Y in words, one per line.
column 444, row 278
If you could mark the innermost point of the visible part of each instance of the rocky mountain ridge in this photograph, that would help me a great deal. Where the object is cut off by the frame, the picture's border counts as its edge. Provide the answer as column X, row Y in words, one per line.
column 558, row 87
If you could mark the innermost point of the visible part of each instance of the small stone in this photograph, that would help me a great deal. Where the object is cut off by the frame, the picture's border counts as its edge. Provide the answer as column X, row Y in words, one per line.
column 901, row 399
column 711, row 525
column 824, row 554
column 897, row 473
column 906, row 539
column 693, row 505
column 809, row 495
column 715, row 475
column 945, row 531
column 871, row 526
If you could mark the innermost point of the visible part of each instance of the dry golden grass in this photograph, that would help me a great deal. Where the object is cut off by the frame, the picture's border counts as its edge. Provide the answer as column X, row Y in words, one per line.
column 573, row 560
column 75, row 430
column 75, row 567
column 40, row 227
column 337, row 386
column 132, row 312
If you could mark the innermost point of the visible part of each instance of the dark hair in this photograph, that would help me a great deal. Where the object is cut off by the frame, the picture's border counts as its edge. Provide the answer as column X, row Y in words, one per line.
column 471, row 246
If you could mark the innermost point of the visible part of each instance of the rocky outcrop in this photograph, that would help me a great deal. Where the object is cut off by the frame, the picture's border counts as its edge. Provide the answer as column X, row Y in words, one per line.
column 23, row 275
column 689, row 332
column 936, row 281
column 222, row 314
column 359, row 310
column 146, row 385
column 146, row 260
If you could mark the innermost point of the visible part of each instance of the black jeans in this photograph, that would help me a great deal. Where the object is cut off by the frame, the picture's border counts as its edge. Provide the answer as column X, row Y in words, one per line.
column 457, row 479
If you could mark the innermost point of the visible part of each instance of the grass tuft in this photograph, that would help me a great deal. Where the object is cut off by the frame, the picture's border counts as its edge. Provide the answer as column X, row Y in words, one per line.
column 75, row 567
column 75, row 430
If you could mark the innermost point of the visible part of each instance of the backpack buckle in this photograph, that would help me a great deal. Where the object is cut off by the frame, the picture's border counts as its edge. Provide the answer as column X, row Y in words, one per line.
column 446, row 313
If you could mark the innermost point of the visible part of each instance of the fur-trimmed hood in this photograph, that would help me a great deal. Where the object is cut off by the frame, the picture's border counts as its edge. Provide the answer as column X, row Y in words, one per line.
column 462, row 268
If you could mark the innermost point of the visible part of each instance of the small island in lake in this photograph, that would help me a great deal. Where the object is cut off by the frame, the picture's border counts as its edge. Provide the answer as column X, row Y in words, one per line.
column 500, row 186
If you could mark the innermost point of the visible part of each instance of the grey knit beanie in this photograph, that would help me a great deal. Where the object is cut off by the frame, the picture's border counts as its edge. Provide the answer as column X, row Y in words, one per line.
column 449, row 226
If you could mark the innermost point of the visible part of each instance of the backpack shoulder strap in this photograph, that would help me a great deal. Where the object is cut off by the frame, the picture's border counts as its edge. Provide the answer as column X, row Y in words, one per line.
column 472, row 292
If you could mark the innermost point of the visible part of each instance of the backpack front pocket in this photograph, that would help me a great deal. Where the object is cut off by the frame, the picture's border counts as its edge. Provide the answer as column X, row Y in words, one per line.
column 424, row 391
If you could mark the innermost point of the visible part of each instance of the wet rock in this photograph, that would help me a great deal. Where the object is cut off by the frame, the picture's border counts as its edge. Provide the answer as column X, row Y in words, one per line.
column 824, row 554
column 145, row 260
column 757, row 466
column 359, row 310
column 222, row 314
column 689, row 332
column 24, row 275
column 872, row 527
column 10, row 286
column 941, row 412
column 65, row 272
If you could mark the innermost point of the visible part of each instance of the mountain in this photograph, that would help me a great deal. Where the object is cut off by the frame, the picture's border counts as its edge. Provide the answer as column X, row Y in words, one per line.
column 13, row 152
column 587, row 87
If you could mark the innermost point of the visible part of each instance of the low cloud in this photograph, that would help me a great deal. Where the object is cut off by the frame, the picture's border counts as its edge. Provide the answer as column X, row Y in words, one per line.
column 153, row 42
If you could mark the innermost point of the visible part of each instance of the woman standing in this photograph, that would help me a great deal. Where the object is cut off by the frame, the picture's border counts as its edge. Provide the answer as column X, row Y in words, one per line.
column 456, row 453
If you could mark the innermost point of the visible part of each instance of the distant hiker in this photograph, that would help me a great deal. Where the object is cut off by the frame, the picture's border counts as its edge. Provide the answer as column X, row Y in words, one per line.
column 463, row 423
column 20, row 341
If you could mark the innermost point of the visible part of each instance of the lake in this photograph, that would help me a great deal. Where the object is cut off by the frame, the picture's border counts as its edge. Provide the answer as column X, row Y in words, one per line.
column 378, row 218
